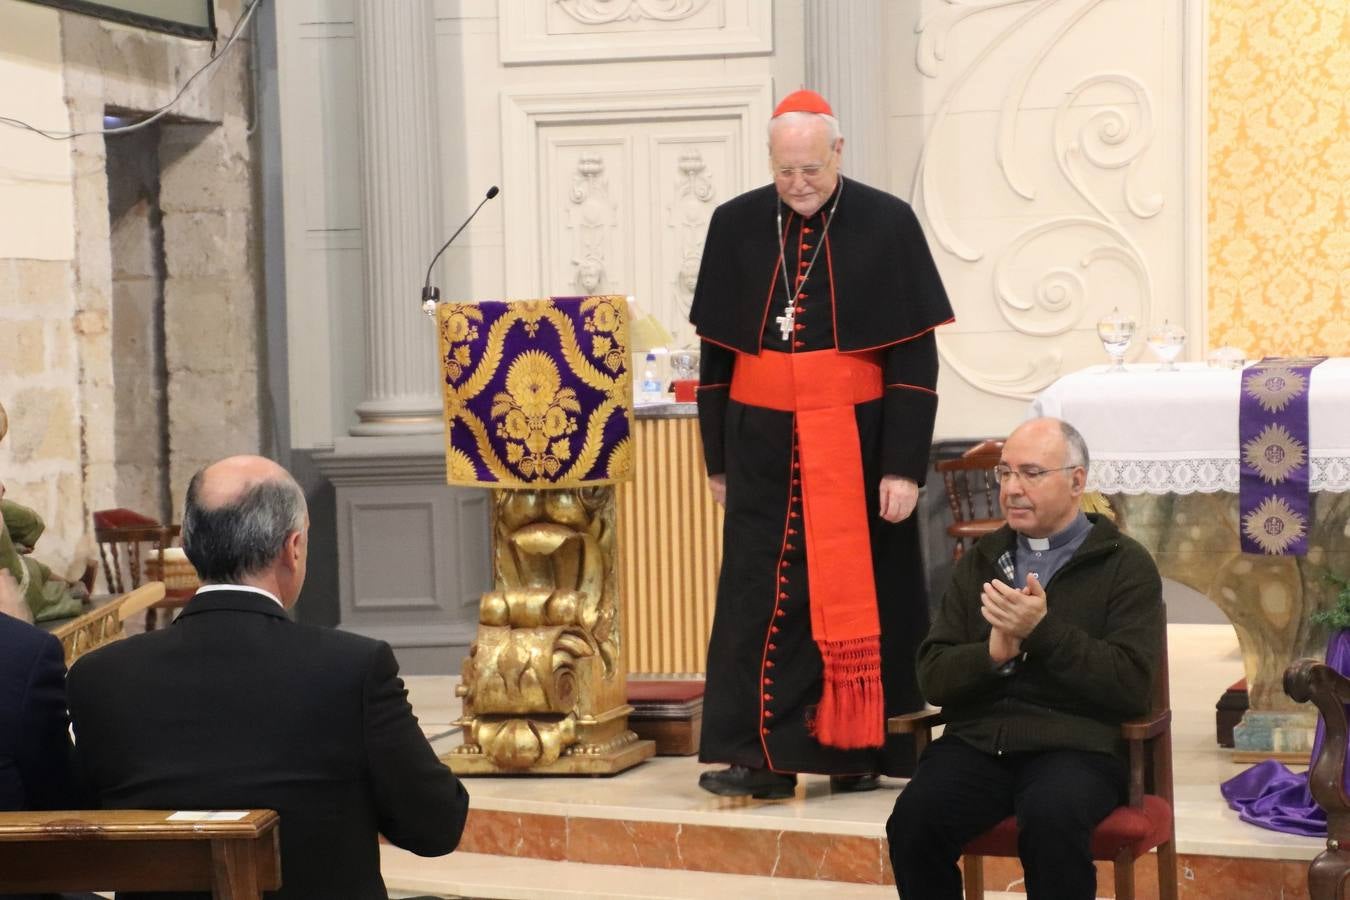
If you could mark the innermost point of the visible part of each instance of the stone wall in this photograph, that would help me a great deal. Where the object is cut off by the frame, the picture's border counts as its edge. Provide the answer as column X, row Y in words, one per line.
column 212, row 283
column 78, row 441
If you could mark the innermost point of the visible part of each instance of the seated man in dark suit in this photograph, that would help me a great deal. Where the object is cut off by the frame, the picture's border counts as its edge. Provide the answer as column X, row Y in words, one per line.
column 1033, row 681
column 235, row 706
column 34, row 732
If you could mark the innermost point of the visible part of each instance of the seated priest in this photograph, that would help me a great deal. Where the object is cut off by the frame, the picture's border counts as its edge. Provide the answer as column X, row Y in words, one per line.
column 235, row 706
column 1047, row 639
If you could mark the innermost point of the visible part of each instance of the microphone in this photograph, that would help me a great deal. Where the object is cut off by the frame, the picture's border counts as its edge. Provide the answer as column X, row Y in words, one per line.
column 430, row 295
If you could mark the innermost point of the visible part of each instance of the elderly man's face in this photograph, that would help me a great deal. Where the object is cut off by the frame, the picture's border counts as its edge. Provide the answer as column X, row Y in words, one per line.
column 1037, row 489
column 805, row 163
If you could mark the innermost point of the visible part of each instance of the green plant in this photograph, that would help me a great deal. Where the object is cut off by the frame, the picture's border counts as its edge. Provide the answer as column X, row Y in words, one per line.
column 1338, row 616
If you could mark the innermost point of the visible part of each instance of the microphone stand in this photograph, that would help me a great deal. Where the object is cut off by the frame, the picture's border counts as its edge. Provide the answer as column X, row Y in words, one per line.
column 431, row 295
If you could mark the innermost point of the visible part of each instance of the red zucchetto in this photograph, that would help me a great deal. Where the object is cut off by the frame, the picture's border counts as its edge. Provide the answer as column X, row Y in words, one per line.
column 803, row 101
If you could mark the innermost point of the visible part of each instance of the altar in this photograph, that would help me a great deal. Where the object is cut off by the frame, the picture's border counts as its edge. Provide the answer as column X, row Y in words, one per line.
column 1164, row 450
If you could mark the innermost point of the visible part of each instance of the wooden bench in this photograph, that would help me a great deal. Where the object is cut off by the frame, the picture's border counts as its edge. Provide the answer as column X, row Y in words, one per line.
column 140, row 850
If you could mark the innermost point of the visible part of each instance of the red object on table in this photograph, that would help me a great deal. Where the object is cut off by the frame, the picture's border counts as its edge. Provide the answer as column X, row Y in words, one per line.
column 685, row 389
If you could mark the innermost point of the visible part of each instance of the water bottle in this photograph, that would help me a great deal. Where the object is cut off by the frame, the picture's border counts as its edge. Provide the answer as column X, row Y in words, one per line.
column 651, row 385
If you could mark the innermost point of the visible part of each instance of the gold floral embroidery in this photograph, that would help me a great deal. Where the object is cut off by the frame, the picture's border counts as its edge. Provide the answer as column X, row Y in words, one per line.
column 1274, row 453
column 1273, row 525
column 1274, row 386
column 534, row 414
column 535, row 429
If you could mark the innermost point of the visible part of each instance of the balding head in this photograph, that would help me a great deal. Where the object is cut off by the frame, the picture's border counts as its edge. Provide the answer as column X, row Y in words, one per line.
column 1044, row 466
column 245, row 522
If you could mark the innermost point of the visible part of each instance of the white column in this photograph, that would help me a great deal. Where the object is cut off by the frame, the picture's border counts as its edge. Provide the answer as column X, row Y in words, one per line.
column 395, row 45
column 844, row 62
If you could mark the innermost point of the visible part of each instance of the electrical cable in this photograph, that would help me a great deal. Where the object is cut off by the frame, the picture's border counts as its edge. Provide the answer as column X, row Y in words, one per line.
column 155, row 116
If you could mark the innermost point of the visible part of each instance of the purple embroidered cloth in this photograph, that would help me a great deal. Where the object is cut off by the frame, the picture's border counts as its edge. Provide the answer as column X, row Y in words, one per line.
column 1273, row 500
column 537, row 393
column 1271, row 796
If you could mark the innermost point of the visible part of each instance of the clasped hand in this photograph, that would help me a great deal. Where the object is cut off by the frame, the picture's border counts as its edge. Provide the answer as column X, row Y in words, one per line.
column 1013, row 614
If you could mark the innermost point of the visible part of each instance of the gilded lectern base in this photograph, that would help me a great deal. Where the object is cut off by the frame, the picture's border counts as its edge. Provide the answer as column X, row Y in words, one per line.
column 611, row 762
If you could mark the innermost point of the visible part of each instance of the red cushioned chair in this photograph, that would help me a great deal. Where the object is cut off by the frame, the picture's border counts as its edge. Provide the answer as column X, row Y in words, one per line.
column 972, row 494
column 1129, row 832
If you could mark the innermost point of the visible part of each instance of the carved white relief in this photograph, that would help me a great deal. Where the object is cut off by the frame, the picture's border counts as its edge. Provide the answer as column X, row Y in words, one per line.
column 603, row 12
column 591, row 216
column 1113, row 134
column 689, row 211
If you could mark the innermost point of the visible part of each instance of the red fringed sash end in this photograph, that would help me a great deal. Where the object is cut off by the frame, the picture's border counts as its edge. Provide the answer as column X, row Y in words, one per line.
column 852, row 710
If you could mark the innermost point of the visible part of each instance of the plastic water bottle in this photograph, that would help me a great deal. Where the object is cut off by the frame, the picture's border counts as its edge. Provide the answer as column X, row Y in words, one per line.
column 651, row 385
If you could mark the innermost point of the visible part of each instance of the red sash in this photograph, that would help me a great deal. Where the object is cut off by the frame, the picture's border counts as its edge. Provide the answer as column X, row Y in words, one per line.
column 821, row 388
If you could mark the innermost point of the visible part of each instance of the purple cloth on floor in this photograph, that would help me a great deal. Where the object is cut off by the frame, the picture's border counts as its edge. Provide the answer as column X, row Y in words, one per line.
column 1271, row 796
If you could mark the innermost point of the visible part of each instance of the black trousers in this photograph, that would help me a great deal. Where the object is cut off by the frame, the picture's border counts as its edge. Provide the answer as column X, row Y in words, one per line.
column 958, row 792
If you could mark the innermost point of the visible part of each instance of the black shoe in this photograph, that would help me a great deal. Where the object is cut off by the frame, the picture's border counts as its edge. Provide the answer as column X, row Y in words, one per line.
column 853, row 784
column 742, row 781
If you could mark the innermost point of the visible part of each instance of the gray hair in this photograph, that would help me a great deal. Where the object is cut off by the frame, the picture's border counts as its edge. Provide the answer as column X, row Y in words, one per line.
column 1075, row 448
column 230, row 542
column 799, row 116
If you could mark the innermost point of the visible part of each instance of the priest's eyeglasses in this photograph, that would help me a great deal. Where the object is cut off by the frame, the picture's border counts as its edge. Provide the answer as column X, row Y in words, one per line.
column 1026, row 474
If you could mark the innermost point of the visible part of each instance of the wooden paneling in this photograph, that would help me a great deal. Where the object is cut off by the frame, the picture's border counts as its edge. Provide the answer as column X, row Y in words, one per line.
column 670, row 550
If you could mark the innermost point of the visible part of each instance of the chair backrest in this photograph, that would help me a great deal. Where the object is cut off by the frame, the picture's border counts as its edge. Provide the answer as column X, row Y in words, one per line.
column 972, row 493
column 142, row 850
column 1155, row 775
column 125, row 540
column 1329, row 690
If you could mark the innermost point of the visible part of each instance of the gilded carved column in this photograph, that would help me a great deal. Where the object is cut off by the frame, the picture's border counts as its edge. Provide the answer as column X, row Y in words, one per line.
column 401, row 213
column 844, row 62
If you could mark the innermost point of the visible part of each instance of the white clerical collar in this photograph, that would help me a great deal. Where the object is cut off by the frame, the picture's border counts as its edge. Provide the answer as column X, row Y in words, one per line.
column 208, row 588
column 1038, row 543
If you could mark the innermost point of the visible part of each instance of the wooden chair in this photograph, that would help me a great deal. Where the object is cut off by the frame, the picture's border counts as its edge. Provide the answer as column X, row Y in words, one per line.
column 1129, row 832
column 1310, row 679
column 140, row 850
column 126, row 541
column 104, row 623
column 972, row 494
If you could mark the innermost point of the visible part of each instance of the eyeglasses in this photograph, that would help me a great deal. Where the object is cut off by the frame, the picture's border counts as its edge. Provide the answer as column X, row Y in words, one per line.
column 787, row 173
column 1026, row 474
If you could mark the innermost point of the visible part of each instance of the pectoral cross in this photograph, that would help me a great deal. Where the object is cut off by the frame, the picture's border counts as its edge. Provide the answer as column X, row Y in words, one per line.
column 786, row 320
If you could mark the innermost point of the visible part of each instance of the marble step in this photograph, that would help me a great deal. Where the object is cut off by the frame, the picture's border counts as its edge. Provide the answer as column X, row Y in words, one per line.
column 480, row 875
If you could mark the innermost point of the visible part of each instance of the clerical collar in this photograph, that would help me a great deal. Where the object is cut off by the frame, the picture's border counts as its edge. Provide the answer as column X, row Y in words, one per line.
column 1076, row 528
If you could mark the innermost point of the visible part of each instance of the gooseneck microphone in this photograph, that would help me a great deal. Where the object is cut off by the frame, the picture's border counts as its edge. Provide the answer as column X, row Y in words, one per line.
column 430, row 295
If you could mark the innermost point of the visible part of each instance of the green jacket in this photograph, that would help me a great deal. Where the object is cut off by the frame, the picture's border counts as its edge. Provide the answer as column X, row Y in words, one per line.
column 1088, row 665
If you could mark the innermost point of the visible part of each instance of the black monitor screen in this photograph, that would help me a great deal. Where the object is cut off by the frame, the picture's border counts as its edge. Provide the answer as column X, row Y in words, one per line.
column 189, row 18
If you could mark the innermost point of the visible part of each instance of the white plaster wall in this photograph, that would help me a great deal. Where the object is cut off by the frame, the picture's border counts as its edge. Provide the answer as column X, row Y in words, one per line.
column 1051, row 150
column 36, row 195
column 675, row 110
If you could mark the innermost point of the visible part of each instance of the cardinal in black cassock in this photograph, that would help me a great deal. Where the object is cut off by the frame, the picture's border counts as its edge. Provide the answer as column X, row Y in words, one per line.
column 816, row 302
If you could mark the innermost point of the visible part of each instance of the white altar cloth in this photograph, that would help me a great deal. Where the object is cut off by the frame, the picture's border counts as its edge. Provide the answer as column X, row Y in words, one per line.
column 1152, row 432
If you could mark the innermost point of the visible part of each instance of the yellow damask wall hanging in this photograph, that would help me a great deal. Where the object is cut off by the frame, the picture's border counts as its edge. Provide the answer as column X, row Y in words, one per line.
column 1279, row 176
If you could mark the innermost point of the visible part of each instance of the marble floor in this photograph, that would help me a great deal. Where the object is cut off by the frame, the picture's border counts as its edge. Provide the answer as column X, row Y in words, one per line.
column 1204, row 661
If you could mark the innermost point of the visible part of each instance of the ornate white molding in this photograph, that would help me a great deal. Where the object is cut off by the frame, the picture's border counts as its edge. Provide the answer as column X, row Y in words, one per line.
column 603, row 12
column 739, row 107
column 592, row 217
column 688, row 212
column 542, row 31
column 1114, row 136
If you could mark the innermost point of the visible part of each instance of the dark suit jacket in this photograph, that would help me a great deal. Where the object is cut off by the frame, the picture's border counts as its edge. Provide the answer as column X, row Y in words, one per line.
column 235, row 706
column 34, row 741
column 34, row 738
